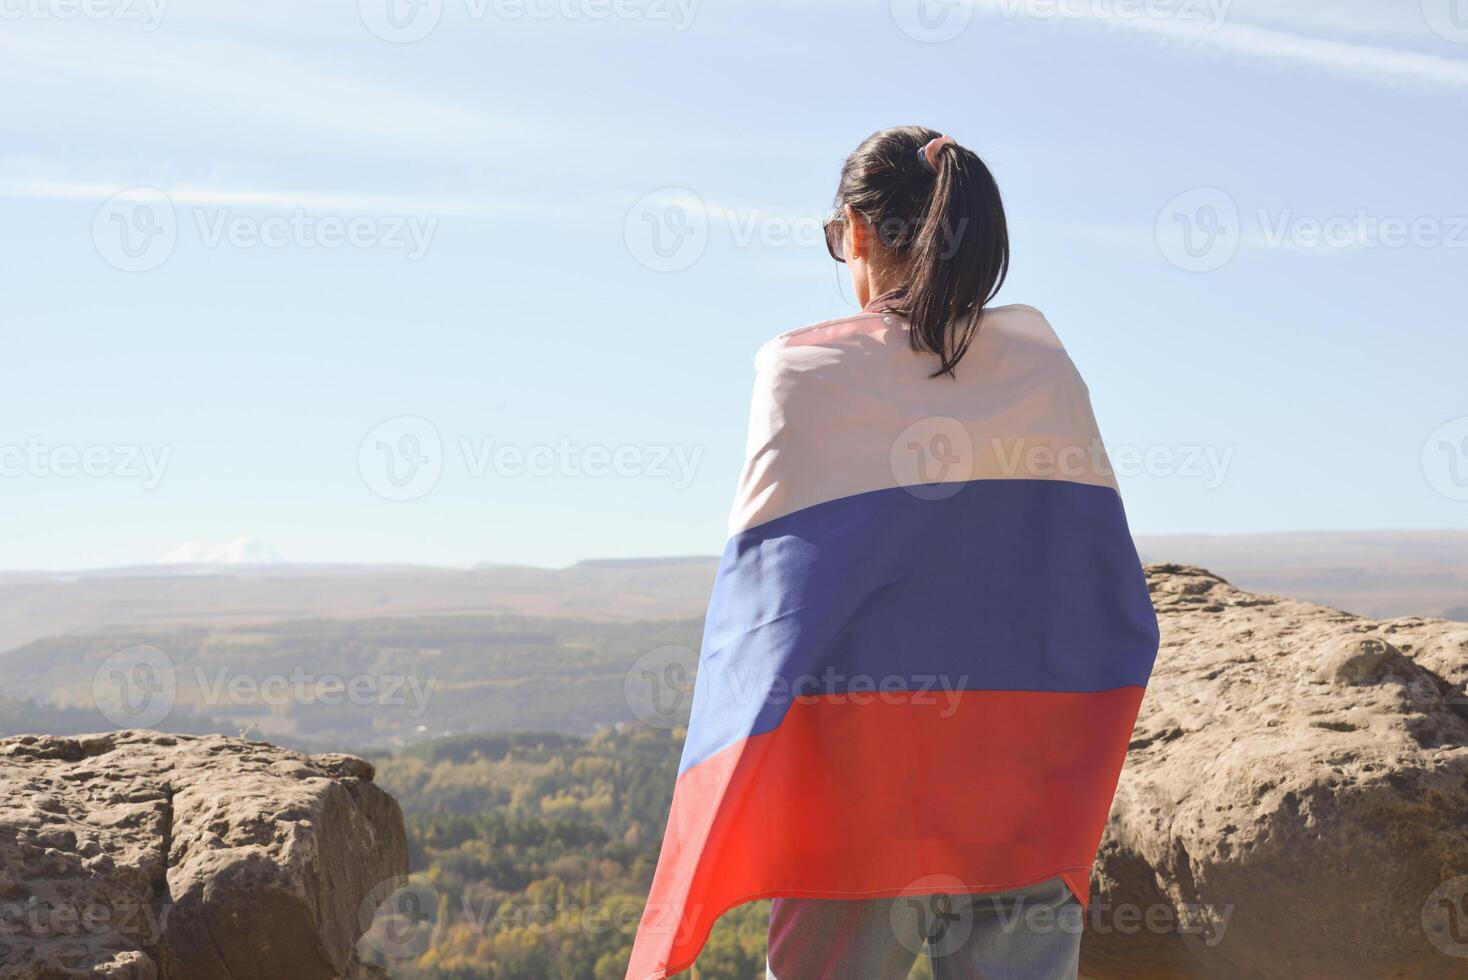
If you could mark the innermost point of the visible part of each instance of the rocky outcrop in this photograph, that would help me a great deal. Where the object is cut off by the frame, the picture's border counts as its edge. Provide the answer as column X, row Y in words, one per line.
column 1295, row 801
column 139, row 856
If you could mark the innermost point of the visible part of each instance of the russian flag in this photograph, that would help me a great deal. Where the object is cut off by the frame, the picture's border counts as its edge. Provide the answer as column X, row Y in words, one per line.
column 928, row 638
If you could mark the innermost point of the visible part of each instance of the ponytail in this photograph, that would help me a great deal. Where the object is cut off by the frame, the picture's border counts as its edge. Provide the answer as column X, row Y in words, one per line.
column 936, row 207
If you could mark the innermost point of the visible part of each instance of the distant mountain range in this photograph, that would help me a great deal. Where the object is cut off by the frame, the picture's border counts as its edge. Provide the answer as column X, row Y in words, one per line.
column 1372, row 573
column 499, row 647
column 236, row 551
column 35, row 605
column 1377, row 573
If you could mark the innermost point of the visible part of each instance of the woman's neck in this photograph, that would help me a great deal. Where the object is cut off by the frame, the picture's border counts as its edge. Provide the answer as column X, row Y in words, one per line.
column 880, row 281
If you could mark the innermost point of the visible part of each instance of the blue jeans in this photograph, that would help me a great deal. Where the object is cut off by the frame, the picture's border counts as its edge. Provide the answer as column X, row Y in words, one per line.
column 1031, row 933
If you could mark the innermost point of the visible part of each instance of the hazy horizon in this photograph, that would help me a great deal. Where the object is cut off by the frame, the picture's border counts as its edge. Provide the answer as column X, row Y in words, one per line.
column 280, row 560
column 1378, row 573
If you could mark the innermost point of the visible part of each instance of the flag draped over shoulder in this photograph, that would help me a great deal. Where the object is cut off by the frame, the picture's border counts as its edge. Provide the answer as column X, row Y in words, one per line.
column 928, row 639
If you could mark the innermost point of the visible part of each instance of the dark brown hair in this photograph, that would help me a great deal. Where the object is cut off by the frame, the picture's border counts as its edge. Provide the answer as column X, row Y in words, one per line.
column 947, row 226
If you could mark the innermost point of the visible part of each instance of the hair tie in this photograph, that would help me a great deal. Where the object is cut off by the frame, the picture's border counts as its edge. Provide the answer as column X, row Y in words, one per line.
column 929, row 153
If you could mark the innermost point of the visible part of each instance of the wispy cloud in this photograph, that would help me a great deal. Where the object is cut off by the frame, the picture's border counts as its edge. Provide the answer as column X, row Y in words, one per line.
column 1399, row 20
column 55, row 188
column 212, row 83
column 1227, row 34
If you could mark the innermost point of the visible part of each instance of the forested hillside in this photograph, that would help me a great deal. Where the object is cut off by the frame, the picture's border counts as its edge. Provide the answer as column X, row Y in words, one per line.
column 538, row 850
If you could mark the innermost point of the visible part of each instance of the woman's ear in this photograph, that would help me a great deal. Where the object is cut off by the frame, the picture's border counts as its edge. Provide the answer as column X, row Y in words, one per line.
column 858, row 235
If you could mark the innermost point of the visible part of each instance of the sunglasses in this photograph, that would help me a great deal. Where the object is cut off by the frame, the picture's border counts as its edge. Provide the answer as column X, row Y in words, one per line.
column 835, row 229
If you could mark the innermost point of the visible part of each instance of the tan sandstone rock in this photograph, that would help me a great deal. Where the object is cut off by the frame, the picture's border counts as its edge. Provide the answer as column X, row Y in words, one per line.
column 1295, row 800
column 140, row 856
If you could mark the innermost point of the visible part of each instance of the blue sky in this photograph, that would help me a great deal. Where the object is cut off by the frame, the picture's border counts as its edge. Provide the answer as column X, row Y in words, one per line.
column 348, row 250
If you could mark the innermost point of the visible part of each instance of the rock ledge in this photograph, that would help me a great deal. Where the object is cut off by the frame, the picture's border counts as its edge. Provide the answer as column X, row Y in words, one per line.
column 135, row 855
column 1295, row 801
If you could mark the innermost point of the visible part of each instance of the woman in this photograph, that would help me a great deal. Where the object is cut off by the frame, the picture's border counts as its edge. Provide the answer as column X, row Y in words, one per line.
column 930, row 632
